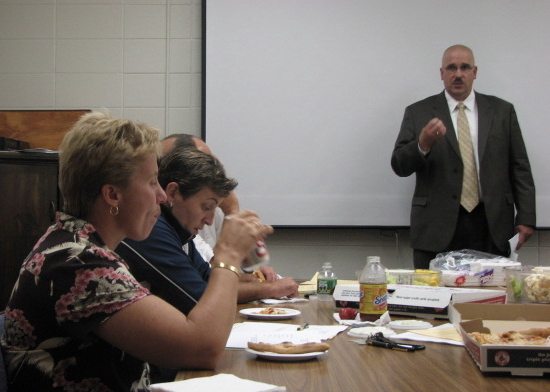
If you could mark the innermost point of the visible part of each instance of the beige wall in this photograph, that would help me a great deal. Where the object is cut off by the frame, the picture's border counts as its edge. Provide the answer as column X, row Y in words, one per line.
column 138, row 58
column 300, row 252
column 141, row 59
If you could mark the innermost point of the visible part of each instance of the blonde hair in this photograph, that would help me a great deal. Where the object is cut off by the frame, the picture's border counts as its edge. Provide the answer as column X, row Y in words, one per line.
column 101, row 149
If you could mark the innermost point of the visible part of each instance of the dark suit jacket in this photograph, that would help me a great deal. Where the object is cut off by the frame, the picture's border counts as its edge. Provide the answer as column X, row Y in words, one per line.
column 505, row 173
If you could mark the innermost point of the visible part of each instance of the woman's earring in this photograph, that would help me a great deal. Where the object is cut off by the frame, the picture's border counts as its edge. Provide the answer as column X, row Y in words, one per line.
column 113, row 210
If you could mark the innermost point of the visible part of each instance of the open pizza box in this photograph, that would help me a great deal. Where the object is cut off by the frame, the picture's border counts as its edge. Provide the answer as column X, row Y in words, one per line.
column 518, row 360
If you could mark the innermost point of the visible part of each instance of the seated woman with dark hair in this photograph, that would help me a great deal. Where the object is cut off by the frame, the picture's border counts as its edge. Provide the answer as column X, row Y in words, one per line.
column 195, row 184
column 78, row 320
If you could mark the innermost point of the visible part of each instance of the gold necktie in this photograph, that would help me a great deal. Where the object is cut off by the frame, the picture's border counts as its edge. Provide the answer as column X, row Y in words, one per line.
column 469, row 198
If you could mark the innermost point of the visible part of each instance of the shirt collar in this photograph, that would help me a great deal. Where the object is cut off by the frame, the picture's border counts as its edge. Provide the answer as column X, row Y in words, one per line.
column 469, row 102
column 81, row 228
column 183, row 234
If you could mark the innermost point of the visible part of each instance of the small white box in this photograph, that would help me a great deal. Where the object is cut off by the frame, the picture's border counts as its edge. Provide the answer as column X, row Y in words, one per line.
column 421, row 301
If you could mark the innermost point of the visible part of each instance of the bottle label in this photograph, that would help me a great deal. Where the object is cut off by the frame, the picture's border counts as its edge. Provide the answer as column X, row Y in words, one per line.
column 373, row 298
column 326, row 286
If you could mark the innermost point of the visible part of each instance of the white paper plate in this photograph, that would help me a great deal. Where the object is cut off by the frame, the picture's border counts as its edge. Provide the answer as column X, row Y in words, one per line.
column 366, row 332
column 285, row 357
column 409, row 324
column 253, row 313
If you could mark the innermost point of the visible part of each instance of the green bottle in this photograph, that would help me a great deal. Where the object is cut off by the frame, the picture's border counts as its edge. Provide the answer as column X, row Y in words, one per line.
column 326, row 282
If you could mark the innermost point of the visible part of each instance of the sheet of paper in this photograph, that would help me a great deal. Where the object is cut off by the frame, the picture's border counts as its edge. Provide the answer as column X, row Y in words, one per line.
column 449, row 333
column 445, row 333
column 241, row 333
column 309, row 286
column 513, row 247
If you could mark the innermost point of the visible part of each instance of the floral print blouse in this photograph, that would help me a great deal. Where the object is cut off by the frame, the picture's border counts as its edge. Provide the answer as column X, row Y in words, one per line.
column 69, row 284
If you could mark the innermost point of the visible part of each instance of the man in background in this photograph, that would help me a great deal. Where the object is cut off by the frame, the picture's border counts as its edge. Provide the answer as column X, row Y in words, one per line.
column 471, row 193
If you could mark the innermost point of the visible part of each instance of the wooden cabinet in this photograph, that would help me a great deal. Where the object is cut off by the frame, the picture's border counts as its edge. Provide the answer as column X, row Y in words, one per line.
column 29, row 198
column 39, row 128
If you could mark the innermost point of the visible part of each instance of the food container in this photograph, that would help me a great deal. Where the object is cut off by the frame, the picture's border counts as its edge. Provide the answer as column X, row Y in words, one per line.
column 414, row 277
column 426, row 278
column 517, row 360
column 420, row 301
column 399, row 276
column 479, row 273
column 528, row 284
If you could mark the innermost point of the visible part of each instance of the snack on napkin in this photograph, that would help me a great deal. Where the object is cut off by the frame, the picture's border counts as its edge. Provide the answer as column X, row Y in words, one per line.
column 532, row 337
column 347, row 313
column 259, row 275
column 289, row 348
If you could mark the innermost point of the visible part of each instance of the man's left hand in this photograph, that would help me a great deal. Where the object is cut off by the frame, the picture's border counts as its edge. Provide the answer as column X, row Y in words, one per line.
column 524, row 233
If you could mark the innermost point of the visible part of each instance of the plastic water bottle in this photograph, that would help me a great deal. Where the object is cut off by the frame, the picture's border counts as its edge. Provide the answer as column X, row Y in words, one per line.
column 373, row 285
column 326, row 282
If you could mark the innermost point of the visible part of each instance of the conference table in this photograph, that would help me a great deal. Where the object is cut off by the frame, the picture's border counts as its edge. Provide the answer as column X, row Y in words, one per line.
column 348, row 366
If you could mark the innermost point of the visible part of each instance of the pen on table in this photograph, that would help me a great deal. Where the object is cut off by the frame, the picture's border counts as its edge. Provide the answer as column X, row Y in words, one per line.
column 303, row 326
column 389, row 345
column 415, row 347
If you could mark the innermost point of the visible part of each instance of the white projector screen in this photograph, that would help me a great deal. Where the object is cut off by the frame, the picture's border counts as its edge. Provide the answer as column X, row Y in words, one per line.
column 303, row 99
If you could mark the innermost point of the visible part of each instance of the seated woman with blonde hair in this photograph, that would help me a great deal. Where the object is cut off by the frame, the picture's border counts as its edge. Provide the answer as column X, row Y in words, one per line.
column 77, row 319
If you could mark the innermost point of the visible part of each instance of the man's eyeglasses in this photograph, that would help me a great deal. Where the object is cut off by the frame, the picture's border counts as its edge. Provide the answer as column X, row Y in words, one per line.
column 464, row 68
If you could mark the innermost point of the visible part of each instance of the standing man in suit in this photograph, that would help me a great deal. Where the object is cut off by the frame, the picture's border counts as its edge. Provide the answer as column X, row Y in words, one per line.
column 497, row 200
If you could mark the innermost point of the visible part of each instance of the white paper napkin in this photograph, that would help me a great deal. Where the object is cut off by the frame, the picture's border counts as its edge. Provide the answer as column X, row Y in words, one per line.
column 219, row 382
column 283, row 300
column 383, row 320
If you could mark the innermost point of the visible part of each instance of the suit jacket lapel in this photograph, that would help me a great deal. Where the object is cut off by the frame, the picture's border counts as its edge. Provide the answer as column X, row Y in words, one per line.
column 484, row 118
column 441, row 111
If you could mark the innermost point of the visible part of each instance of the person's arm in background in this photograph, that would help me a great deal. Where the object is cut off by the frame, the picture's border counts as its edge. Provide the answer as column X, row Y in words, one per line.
column 250, row 291
column 230, row 205
column 409, row 153
column 522, row 183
